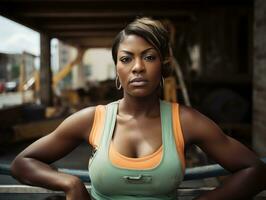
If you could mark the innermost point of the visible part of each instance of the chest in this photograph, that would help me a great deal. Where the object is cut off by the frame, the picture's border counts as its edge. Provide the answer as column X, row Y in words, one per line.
column 111, row 181
column 137, row 137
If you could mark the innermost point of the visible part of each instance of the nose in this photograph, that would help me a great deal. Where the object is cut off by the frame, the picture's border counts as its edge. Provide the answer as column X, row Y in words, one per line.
column 138, row 66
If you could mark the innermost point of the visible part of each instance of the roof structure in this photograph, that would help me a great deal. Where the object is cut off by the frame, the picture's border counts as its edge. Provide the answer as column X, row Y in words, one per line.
column 94, row 23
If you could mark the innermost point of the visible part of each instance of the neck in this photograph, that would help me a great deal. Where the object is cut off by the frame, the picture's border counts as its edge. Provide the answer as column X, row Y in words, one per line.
column 136, row 106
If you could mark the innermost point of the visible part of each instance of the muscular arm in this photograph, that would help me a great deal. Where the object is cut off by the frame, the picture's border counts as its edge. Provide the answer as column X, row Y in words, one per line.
column 32, row 165
column 249, row 173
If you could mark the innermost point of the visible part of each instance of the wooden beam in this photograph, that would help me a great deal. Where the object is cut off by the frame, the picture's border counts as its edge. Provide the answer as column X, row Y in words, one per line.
column 89, row 42
column 84, row 33
column 103, row 13
column 84, row 26
column 68, row 67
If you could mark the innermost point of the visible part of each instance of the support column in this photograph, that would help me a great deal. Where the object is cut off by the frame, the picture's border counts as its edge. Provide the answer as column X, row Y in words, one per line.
column 259, row 81
column 46, row 93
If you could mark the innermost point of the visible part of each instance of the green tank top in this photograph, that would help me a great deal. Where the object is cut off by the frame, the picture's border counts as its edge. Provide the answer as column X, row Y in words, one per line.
column 111, row 182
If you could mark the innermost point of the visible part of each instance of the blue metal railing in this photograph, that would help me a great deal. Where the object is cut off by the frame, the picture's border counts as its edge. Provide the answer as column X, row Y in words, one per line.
column 190, row 174
column 207, row 171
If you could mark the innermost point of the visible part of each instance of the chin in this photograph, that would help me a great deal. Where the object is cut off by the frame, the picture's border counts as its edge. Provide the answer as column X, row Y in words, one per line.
column 141, row 92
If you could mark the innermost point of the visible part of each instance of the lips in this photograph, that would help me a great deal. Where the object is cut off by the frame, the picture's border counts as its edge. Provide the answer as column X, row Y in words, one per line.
column 138, row 81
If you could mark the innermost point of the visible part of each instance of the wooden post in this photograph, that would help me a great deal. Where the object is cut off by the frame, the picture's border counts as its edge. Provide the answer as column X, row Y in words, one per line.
column 46, row 93
column 22, row 77
column 21, row 74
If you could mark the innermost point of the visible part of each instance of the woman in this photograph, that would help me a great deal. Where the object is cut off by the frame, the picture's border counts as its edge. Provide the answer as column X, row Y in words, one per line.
column 139, row 140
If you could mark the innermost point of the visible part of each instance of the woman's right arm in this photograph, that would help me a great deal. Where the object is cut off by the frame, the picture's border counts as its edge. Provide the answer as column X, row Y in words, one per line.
column 32, row 166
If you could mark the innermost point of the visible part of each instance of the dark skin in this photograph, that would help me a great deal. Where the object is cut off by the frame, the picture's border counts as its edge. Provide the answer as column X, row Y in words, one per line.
column 134, row 137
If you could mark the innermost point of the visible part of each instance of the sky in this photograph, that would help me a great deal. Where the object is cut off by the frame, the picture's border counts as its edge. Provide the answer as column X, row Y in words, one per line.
column 16, row 38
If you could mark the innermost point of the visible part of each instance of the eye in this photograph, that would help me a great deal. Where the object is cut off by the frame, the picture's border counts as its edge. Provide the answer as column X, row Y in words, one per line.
column 125, row 59
column 149, row 57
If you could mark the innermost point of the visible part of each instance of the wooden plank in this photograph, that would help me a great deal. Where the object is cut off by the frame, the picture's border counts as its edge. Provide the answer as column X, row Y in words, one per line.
column 33, row 130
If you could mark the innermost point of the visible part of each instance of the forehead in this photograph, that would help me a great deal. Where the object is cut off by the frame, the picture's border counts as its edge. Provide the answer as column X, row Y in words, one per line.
column 134, row 43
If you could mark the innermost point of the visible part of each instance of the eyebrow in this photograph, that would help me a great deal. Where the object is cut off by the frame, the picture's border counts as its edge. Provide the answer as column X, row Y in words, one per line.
column 143, row 52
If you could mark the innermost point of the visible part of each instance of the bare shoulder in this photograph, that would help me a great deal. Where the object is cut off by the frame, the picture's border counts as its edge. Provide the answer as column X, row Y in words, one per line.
column 77, row 125
column 196, row 126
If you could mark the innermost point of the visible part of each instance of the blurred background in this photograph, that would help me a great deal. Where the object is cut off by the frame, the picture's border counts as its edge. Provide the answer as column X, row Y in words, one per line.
column 55, row 59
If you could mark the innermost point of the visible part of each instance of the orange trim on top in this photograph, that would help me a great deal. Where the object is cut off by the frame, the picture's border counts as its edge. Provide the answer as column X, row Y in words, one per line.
column 178, row 133
column 97, row 126
column 145, row 162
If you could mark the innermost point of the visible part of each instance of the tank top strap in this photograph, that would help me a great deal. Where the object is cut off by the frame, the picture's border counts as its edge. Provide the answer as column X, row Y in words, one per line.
column 97, row 126
column 172, row 134
column 101, row 124
column 177, row 130
column 166, row 119
column 109, row 125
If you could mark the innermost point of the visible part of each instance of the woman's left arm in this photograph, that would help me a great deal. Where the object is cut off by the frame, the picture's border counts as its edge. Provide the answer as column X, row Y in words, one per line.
column 248, row 172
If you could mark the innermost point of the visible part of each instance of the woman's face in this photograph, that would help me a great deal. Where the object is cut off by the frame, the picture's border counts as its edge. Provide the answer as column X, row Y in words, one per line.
column 138, row 66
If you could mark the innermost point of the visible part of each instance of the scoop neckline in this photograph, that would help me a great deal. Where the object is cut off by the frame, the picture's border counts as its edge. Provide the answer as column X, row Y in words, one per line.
column 142, row 157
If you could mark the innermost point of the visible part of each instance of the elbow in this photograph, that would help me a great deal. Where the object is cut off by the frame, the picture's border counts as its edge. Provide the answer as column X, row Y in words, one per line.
column 15, row 167
column 18, row 169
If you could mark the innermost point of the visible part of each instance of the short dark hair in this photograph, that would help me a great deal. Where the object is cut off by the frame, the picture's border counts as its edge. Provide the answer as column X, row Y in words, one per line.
column 154, row 33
